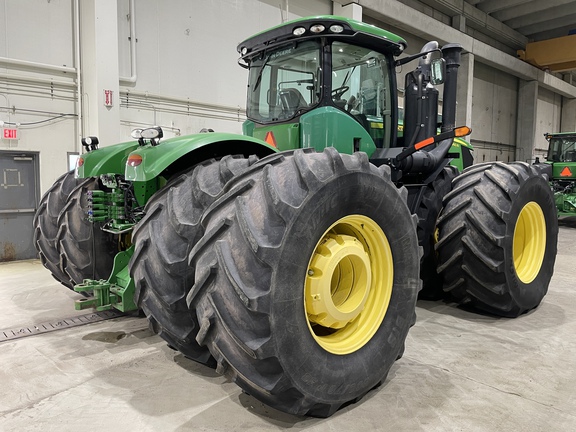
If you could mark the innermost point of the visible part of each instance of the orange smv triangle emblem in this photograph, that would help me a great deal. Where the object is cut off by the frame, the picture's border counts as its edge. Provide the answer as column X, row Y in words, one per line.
column 270, row 139
column 566, row 172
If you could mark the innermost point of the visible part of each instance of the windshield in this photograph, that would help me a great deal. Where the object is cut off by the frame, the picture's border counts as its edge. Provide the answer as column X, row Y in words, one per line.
column 284, row 82
column 562, row 149
column 361, row 86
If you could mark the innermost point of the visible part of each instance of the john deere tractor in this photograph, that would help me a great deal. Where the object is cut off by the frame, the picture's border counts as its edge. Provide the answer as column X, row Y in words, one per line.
column 562, row 157
column 294, row 266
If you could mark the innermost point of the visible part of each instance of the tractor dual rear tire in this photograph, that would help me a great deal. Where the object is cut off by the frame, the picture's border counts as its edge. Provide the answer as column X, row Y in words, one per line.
column 289, row 250
column 427, row 213
column 86, row 252
column 497, row 238
column 163, row 240
column 46, row 225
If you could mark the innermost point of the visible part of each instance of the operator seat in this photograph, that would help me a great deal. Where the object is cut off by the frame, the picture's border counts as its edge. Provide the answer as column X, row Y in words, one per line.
column 570, row 156
column 291, row 100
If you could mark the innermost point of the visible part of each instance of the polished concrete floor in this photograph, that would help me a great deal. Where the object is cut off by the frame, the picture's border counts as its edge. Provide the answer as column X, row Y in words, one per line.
column 461, row 371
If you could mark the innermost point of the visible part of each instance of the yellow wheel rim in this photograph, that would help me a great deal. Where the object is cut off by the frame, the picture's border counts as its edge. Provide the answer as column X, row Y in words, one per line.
column 529, row 242
column 349, row 284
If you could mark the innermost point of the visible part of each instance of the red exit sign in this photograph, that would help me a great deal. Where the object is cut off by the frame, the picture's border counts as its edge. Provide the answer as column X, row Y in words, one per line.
column 11, row 134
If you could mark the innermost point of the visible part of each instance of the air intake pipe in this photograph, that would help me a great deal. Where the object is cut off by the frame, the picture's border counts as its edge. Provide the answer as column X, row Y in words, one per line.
column 451, row 54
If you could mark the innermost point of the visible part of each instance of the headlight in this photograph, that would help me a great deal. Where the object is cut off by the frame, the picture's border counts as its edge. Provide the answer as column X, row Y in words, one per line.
column 152, row 133
column 299, row 31
column 317, row 28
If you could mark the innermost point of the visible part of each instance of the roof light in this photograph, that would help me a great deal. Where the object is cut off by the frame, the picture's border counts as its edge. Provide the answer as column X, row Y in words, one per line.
column 80, row 162
column 336, row 28
column 136, row 133
column 134, row 160
column 317, row 28
column 298, row 31
column 244, row 50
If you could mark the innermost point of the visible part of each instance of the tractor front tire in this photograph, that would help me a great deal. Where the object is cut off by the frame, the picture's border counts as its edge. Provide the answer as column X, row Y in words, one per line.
column 427, row 213
column 497, row 238
column 86, row 252
column 46, row 225
column 163, row 240
column 306, row 279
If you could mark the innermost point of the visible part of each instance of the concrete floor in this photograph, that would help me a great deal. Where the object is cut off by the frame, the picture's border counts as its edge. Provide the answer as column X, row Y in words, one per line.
column 461, row 371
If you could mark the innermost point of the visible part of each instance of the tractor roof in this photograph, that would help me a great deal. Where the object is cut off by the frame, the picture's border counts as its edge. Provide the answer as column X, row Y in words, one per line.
column 360, row 33
column 559, row 134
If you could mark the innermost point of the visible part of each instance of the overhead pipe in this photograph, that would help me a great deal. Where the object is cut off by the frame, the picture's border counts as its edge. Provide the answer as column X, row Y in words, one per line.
column 11, row 63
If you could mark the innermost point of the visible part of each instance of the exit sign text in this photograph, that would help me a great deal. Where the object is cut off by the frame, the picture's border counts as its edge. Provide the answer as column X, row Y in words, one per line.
column 11, row 134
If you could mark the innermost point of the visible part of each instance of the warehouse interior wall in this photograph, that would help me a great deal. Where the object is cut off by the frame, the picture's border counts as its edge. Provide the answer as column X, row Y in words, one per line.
column 177, row 67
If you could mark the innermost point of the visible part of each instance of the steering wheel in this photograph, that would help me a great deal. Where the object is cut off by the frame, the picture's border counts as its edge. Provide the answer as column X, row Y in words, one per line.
column 338, row 92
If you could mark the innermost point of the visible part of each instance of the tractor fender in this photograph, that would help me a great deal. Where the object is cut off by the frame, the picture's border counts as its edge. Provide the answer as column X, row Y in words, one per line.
column 106, row 160
column 176, row 154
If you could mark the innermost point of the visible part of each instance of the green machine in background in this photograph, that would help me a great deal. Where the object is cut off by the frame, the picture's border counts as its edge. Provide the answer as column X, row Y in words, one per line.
column 562, row 157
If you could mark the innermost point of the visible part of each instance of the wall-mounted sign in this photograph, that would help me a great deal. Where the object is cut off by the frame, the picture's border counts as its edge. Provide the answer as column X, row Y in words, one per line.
column 11, row 134
column 108, row 98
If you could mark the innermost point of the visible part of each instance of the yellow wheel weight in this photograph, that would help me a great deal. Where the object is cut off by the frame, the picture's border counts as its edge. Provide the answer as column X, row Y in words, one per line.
column 349, row 284
column 529, row 242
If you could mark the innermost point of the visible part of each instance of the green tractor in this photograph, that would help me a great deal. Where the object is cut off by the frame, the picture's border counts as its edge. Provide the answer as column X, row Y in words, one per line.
column 291, row 257
column 562, row 157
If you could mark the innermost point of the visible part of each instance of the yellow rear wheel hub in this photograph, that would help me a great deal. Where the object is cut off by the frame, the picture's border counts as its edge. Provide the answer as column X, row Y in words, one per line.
column 529, row 242
column 349, row 284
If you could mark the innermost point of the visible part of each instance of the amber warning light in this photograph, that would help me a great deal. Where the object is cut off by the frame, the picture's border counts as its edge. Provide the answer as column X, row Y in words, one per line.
column 11, row 134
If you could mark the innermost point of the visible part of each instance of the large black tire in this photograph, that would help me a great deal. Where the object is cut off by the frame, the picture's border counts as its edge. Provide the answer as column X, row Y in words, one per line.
column 497, row 238
column 427, row 213
column 46, row 225
column 163, row 240
column 290, row 225
column 86, row 252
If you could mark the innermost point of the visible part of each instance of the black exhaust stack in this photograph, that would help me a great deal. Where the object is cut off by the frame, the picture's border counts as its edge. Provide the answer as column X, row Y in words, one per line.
column 451, row 54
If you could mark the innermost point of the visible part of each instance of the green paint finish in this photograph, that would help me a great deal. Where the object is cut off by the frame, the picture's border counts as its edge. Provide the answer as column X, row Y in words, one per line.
column 117, row 292
column 143, row 190
column 559, row 167
column 106, row 160
column 565, row 203
column 287, row 136
column 248, row 128
column 456, row 148
column 156, row 159
column 328, row 20
column 330, row 127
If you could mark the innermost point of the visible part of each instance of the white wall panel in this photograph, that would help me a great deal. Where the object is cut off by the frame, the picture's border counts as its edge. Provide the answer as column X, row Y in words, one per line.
column 37, row 30
column 494, row 112
column 548, row 114
column 187, row 49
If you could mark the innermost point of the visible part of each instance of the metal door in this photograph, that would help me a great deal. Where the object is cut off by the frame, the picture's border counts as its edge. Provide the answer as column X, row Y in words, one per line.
column 18, row 199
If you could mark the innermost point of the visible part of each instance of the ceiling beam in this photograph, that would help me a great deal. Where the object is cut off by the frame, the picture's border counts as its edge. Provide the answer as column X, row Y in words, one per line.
column 419, row 24
column 528, row 8
column 550, row 13
column 551, row 24
column 491, row 6
column 479, row 20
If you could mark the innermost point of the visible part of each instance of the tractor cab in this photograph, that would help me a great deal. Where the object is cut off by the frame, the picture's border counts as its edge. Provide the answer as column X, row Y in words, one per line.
column 562, row 147
column 329, row 81
column 322, row 71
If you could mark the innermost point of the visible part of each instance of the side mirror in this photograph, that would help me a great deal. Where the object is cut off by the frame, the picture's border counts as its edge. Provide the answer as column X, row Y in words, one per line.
column 437, row 71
